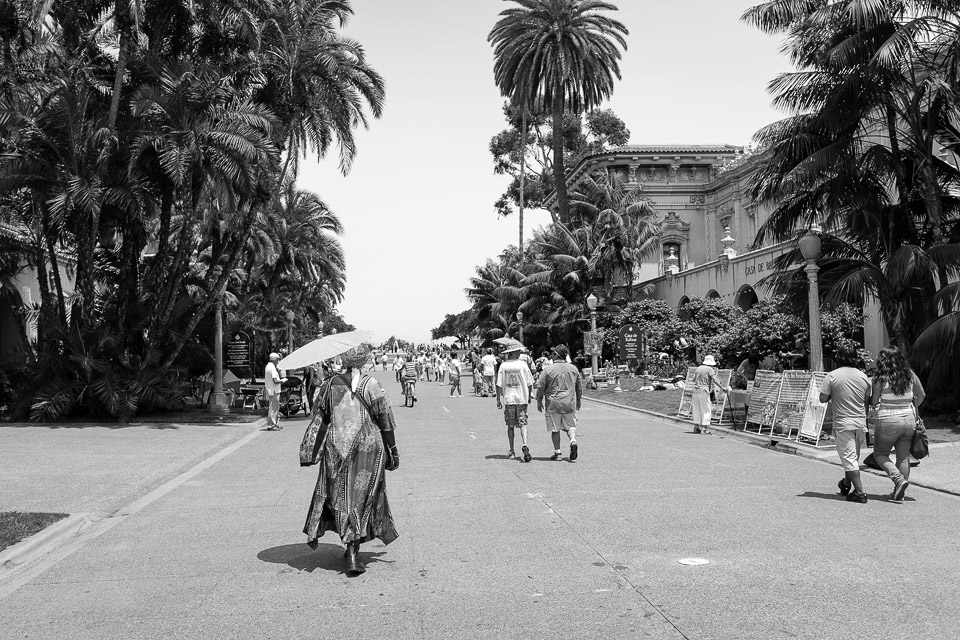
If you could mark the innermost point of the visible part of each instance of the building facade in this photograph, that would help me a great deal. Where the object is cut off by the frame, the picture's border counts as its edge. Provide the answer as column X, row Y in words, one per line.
column 708, row 224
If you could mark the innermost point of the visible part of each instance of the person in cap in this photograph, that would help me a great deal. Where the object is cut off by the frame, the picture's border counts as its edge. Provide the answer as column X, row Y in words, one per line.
column 847, row 389
column 705, row 382
column 351, row 437
column 559, row 391
column 271, row 388
column 514, row 386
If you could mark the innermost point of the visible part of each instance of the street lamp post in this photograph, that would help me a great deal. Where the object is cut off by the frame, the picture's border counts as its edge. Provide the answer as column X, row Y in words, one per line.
column 520, row 322
column 809, row 246
column 218, row 399
column 290, row 317
column 592, row 304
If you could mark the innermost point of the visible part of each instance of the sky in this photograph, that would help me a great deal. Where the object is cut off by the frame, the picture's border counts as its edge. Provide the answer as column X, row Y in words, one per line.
column 417, row 205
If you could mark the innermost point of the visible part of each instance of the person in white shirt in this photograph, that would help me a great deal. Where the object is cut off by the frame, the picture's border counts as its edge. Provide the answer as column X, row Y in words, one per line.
column 454, row 368
column 488, row 369
column 514, row 386
column 271, row 387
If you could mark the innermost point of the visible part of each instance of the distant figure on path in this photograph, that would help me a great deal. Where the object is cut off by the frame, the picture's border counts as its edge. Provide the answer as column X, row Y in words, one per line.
column 847, row 389
column 351, row 437
column 488, row 368
column 897, row 393
column 704, row 382
column 271, row 388
column 559, row 391
column 383, row 361
column 514, row 386
column 453, row 370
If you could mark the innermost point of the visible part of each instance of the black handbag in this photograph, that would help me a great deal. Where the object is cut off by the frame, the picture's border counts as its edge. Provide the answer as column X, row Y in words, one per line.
column 919, row 448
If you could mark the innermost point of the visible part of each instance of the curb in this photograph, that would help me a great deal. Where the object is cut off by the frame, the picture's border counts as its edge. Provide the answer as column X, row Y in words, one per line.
column 779, row 445
column 41, row 543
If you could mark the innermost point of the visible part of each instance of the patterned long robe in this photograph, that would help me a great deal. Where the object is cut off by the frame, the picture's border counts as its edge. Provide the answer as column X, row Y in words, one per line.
column 344, row 438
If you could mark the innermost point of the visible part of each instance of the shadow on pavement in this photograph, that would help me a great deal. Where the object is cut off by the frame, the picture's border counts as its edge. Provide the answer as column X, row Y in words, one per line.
column 822, row 496
column 328, row 557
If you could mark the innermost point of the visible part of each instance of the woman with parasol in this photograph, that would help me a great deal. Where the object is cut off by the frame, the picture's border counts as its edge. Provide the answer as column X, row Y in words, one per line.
column 351, row 437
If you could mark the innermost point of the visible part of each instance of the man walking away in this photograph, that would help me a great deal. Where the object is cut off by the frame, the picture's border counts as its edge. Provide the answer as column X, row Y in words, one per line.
column 559, row 390
column 847, row 389
column 488, row 368
column 514, row 385
column 271, row 387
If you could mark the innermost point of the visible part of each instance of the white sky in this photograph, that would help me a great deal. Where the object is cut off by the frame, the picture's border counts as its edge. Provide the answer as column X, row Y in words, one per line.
column 418, row 204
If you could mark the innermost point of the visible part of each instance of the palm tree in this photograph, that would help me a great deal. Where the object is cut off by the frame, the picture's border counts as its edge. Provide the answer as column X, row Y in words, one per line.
column 317, row 81
column 556, row 55
column 622, row 225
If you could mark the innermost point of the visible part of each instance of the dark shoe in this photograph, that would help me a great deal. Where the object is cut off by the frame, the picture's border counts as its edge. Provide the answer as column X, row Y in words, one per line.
column 853, row 496
column 900, row 489
column 557, row 456
column 526, row 453
column 844, row 486
column 696, row 429
column 573, row 451
column 354, row 566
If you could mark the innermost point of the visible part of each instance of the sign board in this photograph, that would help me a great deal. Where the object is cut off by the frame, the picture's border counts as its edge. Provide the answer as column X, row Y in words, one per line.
column 811, row 423
column 686, row 398
column 763, row 398
column 592, row 343
column 792, row 402
column 716, row 410
column 239, row 351
column 629, row 342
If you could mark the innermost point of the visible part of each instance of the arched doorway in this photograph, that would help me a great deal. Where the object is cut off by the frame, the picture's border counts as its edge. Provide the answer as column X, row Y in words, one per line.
column 713, row 295
column 683, row 300
column 746, row 298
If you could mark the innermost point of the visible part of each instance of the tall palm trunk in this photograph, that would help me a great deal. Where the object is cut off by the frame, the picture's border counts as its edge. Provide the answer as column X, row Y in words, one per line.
column 559, row 182
column 523, row 171
column 124, row 27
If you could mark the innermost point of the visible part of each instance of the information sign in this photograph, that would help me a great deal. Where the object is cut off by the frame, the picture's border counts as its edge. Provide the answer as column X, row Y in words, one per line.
column 720, row 395
column 811, row 424
column 239, row 351
column 629, row 342
column 762, row 406
column 592, row 343
column 792, row 402
column 686, row 398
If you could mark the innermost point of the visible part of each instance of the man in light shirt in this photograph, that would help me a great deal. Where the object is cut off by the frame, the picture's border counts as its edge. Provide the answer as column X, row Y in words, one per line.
column 559, row 390
column 488, row 369
column 514, row 384
column 271, row 386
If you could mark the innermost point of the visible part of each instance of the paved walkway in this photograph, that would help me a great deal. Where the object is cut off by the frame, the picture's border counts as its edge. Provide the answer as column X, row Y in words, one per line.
column 492, row 548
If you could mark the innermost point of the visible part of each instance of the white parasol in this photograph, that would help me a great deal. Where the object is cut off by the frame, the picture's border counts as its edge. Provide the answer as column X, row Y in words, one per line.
column 447, row 340
column 324, row 348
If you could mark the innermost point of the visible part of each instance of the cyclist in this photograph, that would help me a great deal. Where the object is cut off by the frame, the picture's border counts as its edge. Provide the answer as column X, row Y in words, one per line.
column 409, row 375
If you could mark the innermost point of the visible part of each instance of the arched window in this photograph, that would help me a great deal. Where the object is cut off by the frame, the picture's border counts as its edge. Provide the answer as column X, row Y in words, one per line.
column 684, row 300
column 746, row 297
column 713, row 294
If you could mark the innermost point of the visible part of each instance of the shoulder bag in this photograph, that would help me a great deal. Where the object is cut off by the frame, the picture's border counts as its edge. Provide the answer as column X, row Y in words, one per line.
column 919, row 448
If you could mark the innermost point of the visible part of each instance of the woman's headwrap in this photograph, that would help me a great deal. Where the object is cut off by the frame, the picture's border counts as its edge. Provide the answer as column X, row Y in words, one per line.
column 356, row 357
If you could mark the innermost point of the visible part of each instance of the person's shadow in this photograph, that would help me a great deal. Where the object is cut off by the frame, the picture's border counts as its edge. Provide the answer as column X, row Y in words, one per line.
column 328, row 557
column 822, row 496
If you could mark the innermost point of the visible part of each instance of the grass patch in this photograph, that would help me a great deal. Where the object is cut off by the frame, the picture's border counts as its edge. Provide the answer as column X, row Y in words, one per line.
column 665, row 402
column 16, row 526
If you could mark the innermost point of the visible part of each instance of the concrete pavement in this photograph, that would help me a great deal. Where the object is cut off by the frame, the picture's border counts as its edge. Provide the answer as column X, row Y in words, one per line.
column 497, row 548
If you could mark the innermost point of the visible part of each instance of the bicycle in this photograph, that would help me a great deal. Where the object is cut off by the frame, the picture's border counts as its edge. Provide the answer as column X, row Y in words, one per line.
column 409, row 392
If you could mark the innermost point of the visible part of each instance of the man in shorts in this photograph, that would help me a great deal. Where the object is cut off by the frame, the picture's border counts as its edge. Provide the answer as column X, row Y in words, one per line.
column 559, row 391
column 847, row 389
column 488, row 369
column 514, row 386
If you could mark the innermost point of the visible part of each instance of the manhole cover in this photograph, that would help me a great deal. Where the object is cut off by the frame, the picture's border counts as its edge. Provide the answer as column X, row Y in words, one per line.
column 693, row 561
